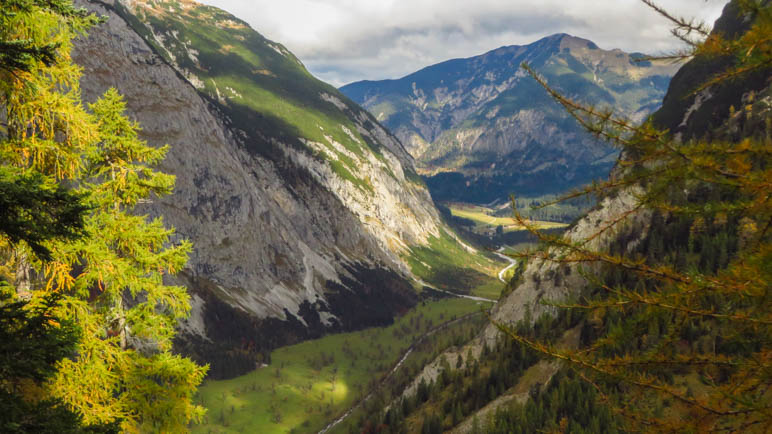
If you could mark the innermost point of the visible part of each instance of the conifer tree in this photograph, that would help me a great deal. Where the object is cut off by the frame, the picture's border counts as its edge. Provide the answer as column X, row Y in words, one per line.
column 110, row 278
column 36, row 210
column 35, row 207
column 708, row 358
column 32, row 341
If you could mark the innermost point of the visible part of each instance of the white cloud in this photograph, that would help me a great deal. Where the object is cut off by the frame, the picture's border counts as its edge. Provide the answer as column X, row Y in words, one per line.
column 347, row 40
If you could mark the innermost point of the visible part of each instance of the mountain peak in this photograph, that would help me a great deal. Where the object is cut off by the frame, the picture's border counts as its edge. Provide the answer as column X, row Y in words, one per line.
column 558, row 36
column 567, row 41
column 472, row 118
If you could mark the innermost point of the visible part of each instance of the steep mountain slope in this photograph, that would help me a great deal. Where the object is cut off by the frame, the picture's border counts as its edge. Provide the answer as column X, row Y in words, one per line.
column 303, row 211
column 480, row 129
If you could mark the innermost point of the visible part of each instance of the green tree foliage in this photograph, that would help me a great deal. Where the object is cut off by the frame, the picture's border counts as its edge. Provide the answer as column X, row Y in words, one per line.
column 36, row 210
column 569, row 404
column 126, row 367
column 22, row 54
column 679, row 324
column 91, row 167
column 32, row 341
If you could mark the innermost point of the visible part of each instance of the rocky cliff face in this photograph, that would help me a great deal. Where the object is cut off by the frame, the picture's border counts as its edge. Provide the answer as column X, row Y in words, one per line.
column 300, row 206
column 480, row 129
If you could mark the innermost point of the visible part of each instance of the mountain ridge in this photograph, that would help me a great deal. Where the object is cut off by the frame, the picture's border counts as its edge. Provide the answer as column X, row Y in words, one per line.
column 480, row 129
column 549, row 38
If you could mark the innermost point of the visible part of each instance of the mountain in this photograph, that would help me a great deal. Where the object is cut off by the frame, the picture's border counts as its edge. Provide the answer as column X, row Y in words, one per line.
column 305, row 213
column 480, row 128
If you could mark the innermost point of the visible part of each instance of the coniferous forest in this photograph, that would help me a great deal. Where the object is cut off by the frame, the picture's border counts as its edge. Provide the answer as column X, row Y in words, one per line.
column 644, row 306
column 80, row 270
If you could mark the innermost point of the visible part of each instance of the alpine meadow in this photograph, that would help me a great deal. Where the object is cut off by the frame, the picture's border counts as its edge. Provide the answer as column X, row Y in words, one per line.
column 553, row 217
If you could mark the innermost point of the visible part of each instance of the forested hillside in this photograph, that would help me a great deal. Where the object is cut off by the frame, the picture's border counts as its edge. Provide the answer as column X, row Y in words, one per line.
column 652, row 313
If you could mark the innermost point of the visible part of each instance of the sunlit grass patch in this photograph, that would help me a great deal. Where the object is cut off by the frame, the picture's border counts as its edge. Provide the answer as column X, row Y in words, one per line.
column 446, row 264
column 484, row 218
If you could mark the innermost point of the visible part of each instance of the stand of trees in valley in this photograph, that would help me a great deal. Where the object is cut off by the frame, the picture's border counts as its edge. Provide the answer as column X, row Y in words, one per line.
column 500, row 237
column 550, row 208
column 467, row 384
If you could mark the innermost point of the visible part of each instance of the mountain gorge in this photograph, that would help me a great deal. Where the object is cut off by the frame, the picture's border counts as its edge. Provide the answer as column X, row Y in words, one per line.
column 304, row 212
column 497, row 385
column 480, row 129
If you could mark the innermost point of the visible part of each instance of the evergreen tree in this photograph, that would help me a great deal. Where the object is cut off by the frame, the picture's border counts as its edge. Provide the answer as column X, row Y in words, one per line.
column 36, row 210
column 23, row 54
column 32, row 341
column 35, row 207
column 111, row 277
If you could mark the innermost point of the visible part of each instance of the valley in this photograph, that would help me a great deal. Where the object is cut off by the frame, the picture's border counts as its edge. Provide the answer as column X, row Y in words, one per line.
column 307, row 385
column 322, row 385
column 306, row 215
column 198, row 234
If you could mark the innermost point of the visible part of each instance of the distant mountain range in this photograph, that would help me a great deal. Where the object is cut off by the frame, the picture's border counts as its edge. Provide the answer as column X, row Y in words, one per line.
column 480, row 128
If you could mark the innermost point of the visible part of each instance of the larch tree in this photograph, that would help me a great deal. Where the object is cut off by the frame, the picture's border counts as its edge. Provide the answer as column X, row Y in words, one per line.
column 105, row 263
column 679, row 324
column 32, row 342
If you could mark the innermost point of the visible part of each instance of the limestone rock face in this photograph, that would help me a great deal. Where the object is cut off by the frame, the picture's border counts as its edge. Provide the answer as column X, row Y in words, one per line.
column 551, row 281
column 285, row 248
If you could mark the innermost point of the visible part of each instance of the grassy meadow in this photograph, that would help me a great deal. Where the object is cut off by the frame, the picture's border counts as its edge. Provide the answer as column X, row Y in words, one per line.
column 310, row 384
column 445, row 264
column 485, row 219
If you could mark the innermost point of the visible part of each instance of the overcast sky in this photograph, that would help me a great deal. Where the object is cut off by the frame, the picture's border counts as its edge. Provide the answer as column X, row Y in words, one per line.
column 342, row 41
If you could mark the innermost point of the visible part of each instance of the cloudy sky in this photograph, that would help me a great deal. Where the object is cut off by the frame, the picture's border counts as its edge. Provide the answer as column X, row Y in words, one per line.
column 342, row 41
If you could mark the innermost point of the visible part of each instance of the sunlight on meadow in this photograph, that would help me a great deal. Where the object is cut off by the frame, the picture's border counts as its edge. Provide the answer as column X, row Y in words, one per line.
column 311, row 383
